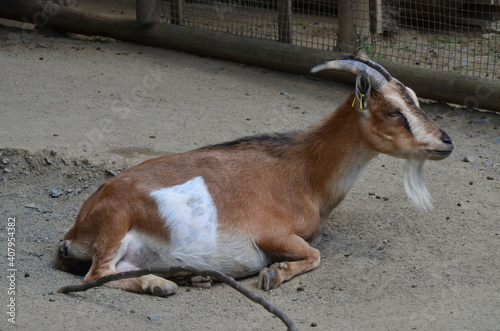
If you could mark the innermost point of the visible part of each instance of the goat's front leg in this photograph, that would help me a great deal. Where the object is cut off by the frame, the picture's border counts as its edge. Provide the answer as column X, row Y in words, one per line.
column 305, row 258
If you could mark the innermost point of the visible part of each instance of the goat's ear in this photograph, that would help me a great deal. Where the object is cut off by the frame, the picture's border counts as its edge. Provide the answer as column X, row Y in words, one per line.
column 363, row 89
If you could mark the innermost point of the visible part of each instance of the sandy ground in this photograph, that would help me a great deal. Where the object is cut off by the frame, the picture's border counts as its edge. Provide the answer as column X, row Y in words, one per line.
column 74, row 112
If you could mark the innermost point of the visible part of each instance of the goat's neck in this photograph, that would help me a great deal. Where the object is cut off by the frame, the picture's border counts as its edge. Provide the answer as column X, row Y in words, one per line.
column 334, row 155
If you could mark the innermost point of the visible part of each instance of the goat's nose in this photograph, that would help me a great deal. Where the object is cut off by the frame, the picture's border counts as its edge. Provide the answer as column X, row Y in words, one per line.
column 445, row 138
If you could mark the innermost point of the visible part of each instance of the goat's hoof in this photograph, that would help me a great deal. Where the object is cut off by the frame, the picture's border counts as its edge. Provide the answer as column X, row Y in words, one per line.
column 266, row 280
column 200, row 281
column 63, row 249
column 166, row 289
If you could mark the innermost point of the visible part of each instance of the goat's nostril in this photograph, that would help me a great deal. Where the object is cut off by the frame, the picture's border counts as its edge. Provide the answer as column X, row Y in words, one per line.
column 446, row 139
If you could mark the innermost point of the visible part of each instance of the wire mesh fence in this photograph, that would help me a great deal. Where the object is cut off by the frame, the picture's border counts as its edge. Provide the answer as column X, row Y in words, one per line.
column 312, row 24
column 454, row 36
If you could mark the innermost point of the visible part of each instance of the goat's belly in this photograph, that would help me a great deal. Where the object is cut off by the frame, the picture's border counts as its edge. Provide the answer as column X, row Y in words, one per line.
column 232, row 254
column 195, row 240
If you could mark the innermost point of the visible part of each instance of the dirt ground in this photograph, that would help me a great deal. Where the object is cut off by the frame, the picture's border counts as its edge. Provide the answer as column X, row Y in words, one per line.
column 74, row 112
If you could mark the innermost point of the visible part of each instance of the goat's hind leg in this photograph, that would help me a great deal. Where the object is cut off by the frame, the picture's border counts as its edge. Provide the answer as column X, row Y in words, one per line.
column 110, row 259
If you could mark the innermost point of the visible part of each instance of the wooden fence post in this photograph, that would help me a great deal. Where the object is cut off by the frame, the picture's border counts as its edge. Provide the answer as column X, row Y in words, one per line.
column 177, row 12
column 285, row 21
column 346, row 41
column 145, row 11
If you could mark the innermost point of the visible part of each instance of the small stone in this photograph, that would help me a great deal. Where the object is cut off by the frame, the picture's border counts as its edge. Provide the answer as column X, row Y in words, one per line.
column 29, row 159
column 56, row 192
column 469, row 159
column 111, row 172
column 314, row 324
column 300, row 289
column 154, row 317
column 490, row 178
column 47, row 161
column 52, row 299
column 30, row 205
column 484, row 120
column 496, row 139
column 5, row 160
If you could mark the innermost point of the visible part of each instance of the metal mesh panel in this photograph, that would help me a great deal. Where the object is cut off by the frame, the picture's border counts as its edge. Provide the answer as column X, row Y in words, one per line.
column 454, row 36
column 457, row 36
column 312, row 23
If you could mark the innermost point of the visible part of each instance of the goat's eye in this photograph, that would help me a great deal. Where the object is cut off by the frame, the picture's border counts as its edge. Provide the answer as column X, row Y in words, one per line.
column 393, row 114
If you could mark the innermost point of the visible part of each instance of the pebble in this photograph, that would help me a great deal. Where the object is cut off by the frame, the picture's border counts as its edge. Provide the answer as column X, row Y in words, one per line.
column 154, row 317
column 56, row 192
column 5, row 160
column 30, row 205
column 314, row 324
column 497, row 139
column 469, row 159
column 111, row 172
column 484, row 120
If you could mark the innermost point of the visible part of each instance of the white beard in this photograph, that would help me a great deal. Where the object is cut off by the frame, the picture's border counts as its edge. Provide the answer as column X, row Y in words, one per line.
column 415, row 185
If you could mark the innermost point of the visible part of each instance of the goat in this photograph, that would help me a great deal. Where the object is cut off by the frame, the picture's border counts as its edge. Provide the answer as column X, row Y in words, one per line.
column 255, row 205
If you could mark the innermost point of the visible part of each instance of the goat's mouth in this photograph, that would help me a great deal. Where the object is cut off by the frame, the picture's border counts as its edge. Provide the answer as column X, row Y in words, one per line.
column 434, row 154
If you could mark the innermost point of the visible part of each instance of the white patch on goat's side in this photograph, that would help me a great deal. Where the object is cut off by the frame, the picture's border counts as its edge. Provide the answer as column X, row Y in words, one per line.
column 191, row 217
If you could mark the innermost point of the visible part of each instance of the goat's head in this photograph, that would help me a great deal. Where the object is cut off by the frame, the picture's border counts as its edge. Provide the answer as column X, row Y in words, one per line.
column 392, row 122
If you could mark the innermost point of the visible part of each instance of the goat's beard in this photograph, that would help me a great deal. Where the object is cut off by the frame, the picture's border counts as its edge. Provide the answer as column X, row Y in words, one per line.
column 415, row 185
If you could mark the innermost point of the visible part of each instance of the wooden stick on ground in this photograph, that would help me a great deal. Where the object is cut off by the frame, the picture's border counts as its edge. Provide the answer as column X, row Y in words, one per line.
column 169, row 272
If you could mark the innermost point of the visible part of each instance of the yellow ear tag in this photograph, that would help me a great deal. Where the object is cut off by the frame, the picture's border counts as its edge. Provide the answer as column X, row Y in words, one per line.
column 361, row 96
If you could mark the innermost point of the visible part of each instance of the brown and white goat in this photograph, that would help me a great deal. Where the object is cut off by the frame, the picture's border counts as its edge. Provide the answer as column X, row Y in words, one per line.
column 254, row 205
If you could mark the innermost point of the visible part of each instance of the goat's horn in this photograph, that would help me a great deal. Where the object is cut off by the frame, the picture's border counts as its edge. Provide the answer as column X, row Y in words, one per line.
column 371, row 64
column 355, row 66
